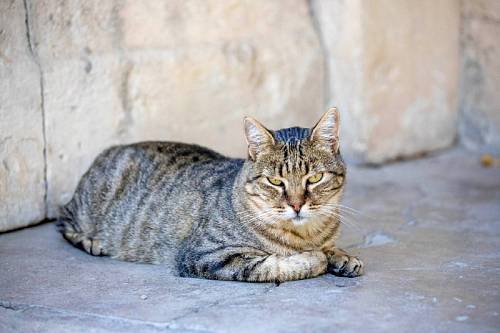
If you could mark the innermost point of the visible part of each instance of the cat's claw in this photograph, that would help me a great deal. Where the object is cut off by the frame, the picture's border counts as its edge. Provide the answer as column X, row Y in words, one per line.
column 345, row 265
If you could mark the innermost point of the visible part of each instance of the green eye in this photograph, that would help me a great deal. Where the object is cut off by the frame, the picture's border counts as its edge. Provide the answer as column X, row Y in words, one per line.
column 275, row 181
column 315, row 178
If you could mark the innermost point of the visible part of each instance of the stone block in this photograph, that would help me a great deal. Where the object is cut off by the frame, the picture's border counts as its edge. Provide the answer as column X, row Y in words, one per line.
column 393, row 74
column 200, row 95
column 74, row 29
column 78, row 44
column 85, row 116
column 22, row 186
column 215, row 62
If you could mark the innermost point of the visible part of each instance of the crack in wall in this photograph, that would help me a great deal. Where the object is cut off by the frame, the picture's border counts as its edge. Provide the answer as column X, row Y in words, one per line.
column 125, row 125
column 127, row 121
column 36, row 59
column 324, row 53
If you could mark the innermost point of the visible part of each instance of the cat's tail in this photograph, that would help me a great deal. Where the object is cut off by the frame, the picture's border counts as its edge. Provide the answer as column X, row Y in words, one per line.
column 69, row 226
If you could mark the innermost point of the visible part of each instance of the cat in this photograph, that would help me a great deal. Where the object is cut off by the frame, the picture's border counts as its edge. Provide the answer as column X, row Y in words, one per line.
column 272, row 217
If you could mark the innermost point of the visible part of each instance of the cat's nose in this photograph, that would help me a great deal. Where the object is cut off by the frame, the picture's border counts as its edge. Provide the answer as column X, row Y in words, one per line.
column 296, row 207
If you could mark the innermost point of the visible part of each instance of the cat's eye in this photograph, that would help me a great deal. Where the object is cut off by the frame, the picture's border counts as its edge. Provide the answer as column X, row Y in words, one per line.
column 315, row 178
column 275, row 181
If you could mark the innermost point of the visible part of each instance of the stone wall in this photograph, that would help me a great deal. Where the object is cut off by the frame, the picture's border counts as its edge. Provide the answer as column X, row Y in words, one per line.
column 78, row 76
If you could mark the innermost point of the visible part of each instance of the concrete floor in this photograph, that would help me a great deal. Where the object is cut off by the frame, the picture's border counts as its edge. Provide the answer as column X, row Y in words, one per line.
column 429, row 236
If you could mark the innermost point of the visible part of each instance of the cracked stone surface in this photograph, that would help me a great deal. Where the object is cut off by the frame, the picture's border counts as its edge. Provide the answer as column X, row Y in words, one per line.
column 428, row 232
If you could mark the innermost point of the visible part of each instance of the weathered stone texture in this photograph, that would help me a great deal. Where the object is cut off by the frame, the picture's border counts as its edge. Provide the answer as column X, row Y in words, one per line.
column 480, row 75
column 22, row 187
column 83, row 70
column 392, row 71
column 217, row 62
column 85, row 114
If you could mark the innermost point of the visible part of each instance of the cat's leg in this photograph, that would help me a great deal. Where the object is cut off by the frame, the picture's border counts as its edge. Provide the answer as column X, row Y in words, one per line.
column 73, row 233
column 81, row 241
column 342, row 264
column 263, row 268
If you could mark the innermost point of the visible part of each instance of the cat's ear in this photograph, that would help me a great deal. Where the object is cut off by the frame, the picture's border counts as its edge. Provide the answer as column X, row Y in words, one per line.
column 258, row 137
column 326, row 131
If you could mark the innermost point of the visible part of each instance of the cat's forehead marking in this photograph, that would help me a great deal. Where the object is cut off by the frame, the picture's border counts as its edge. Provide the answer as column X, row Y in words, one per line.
column 293, row 155
column 291, row 135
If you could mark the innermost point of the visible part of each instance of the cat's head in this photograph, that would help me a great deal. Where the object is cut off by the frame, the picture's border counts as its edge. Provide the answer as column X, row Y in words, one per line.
column 297, row 174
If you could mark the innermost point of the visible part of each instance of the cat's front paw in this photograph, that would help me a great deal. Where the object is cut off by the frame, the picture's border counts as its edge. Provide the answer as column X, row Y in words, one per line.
column 343, row 264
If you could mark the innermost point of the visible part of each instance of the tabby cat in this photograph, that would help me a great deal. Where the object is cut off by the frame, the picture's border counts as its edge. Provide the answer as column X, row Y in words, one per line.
column 271, row 217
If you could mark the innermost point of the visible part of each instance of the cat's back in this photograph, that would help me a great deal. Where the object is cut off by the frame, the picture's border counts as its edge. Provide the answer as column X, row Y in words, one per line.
column 146, row 193
column 139, row 169
column 164, row 154
column 145, row 159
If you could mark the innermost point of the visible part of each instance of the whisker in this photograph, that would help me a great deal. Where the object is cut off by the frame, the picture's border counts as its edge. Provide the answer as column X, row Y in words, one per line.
column 350, row 210
column 343, row 207
column 337, row 210
column 342, row 221
column 342, row 218
column 252, row 217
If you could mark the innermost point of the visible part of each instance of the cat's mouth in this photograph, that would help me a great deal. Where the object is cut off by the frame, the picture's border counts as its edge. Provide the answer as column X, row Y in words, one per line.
column 299, row 220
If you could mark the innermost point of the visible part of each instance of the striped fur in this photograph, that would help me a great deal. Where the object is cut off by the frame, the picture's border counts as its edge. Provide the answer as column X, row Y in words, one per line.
column 212, row 216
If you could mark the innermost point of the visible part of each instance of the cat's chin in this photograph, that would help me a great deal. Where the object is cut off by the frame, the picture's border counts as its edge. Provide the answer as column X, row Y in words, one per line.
column 299, row 220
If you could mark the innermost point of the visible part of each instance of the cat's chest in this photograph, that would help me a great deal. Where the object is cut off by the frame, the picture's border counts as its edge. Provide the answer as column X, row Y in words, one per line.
column 297, row 238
